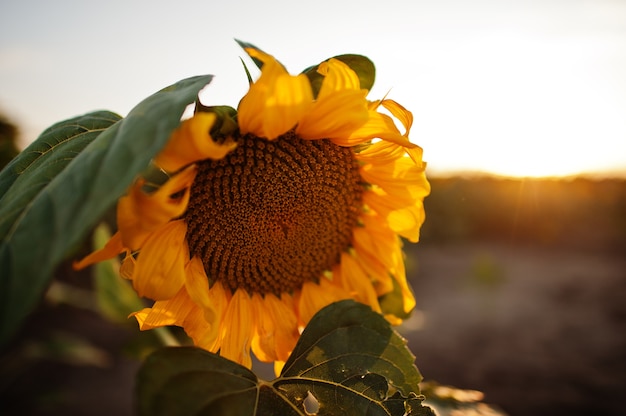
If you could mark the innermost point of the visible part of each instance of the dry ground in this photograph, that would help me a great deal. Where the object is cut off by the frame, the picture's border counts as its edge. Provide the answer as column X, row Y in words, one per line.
column 540, row 331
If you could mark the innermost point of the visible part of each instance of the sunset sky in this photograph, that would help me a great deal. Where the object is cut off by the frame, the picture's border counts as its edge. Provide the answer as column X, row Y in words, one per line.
column 511, row 87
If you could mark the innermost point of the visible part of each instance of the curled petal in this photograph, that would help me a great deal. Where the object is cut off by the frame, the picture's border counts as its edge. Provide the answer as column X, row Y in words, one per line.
column 191, row 142
column 276, row 102
column 165, row 312
column 337, row 77
column 401, row 113
column 378, row 126
column 140, row 213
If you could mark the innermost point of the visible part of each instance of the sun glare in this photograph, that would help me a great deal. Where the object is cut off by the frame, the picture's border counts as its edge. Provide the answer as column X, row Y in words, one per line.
column 534, row 109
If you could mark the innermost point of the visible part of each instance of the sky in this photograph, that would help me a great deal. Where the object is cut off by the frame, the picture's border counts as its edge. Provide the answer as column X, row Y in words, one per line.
column 508, row 87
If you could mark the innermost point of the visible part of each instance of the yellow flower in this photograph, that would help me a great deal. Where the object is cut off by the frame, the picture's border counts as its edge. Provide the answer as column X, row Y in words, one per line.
column 302, row 205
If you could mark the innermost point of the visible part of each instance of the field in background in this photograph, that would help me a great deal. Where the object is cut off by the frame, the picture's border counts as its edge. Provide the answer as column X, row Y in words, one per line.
column 521, row 291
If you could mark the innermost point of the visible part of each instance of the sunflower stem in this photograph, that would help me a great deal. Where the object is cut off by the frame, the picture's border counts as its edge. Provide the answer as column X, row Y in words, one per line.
column 166, row 337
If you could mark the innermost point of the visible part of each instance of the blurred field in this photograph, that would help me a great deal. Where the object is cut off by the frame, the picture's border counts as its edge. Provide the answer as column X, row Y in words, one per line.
column 520, row 286
column 521, row 291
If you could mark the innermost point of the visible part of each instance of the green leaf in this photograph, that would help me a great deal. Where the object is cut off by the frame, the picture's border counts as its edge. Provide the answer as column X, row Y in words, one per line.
column 362, row 65
column 34, row 168
column 67, row 193
column 348, row 361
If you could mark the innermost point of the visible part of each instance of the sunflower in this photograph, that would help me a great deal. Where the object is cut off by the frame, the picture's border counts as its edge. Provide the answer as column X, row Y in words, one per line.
column 301, row 204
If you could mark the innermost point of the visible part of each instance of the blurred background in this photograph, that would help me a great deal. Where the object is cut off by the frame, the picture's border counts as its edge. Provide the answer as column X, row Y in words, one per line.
column 520, row 106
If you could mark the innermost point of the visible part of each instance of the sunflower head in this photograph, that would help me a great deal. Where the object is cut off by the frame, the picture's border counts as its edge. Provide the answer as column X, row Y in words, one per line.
column 296, row 199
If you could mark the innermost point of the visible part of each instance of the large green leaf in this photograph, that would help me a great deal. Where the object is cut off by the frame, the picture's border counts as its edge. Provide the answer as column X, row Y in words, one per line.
column 67, row 193
column 348, row 361
column 33, row 169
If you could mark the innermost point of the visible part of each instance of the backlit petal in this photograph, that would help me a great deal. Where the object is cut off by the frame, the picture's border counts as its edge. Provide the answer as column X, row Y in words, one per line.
column 355, row 281
column 378, row 126
column 336, row 117
column 402, row 179
column 337, row 77
column 276, row 102
column 402, row 114
column 404, row 219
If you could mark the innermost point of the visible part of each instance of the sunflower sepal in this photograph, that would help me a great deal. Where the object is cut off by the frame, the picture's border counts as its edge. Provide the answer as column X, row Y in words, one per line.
column 225, row 124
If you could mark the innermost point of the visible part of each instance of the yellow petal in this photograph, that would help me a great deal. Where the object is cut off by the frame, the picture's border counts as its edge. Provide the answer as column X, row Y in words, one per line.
column 404, row 219
column 314, row 296
column 180, row 311
column 340, row 108
column 160, row 268
column 376, row 239
column 275, row 102
column 278, row 367
column 402, row 179
column 381, row 152
column 376, row 271
column 191, row 142
column 201, row 332
column 127, row 268
column 139, row 213
column 237, row 329
column 197, row 285
column 218, row 299
column 165, row 312
column 112, row 248
column 402, row 114
column 378, row 126
column 276, row 331
column 355, row 281
column 337, row 77
column 335, row 117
